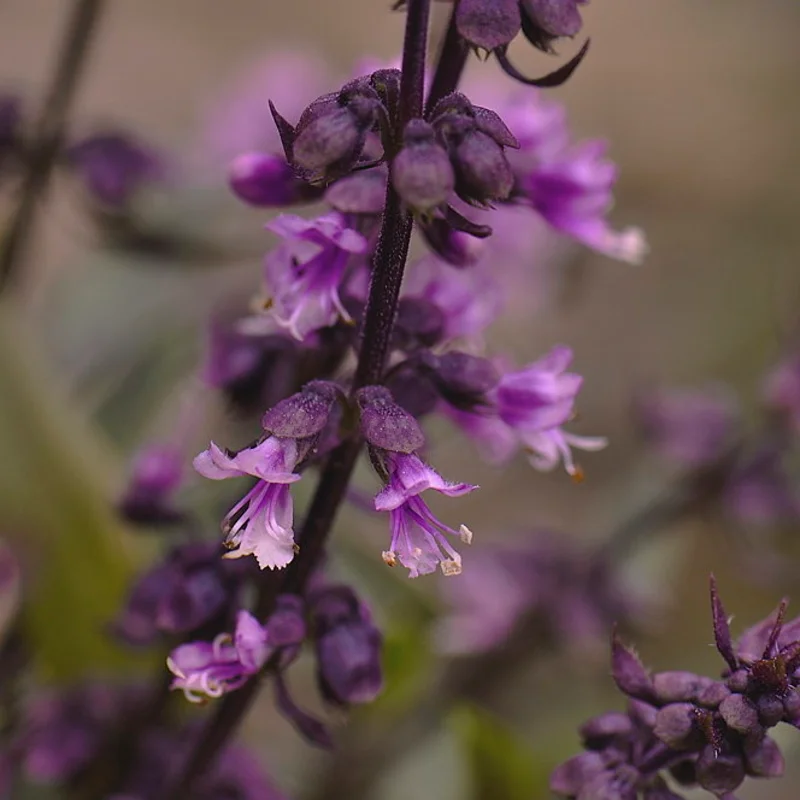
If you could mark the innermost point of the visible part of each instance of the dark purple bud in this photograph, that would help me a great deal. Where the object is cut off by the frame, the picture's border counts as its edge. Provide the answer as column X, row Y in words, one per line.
column 770, row 710
column 462, row 379
column 713, row 695
column 457, row 248
column 740, row 714
column 303, row 414
column 113, row 166
column 722, row 631
column 546, row 20
column 739, row 681
column 488, row 24
column 791, row 707
column 419, row 323
column 483, row 174
column 421, row 172
column 310, row 728
column 719, row 772
column 286, row 626
column 599, row 730
column 569, row 778
column 155, row 476
column 266, row 180
column 413, row 392
column 360, row 193
column 628, row 673
column 678, row 686
column 643, row 713
column 349, row 663
column 180, row 595
column 764, row 757
column 331, row 133
column 385, row 424
column 619, row 784
column 490, row 123
column 675, row 726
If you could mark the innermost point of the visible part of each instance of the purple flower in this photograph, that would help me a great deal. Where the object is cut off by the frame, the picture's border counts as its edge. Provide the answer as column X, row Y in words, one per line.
column 204, row 669
column 260, row 524
column 536, row 401
column 113, row 166
column 690, row 428
column 418, row 538
column 155, row 475
column 572, row 191
column 303, row 275
column 264, row 179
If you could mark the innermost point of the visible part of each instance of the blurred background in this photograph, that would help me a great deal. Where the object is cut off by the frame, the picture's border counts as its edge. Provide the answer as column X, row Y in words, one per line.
column 700, row 104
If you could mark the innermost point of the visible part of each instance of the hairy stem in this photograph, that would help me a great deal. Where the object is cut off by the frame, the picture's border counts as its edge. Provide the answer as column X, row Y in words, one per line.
column 449, row 66
column 412, row 85
column 48, row 135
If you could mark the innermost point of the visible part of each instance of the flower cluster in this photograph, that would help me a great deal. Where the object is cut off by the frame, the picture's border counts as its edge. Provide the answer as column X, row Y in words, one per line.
column 694, row 729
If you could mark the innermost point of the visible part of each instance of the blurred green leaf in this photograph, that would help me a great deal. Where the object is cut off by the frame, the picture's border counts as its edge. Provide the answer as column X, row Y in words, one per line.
column 501, row 765
column 55, row 484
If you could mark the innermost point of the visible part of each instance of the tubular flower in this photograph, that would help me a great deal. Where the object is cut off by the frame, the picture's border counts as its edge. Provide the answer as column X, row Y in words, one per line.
column 304, row 274
column 260, row 524
column 536, row 401
column 210, row 669
column 418, row 538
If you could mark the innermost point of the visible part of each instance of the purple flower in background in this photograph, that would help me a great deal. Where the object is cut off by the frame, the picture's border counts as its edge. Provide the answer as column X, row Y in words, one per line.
column 536, row 401
column 260, row 524
column 304, row 274
column 760, row 491
column 210, row 669
column 418, row 538
column 62, row 732
column 190, row 588
column 265, row 179
column 542, row 577
column 114, row 166
column 348, row 646
column 690, row 428
column 156, row 474
column 572, row 191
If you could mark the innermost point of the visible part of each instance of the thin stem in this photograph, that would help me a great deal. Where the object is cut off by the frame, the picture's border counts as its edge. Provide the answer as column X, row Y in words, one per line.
column 48, row 135
column 449, row 66
column 412, row 85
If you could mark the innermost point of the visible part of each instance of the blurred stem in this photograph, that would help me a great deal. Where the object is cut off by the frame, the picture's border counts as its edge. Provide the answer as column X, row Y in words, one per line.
column 364, row 757
column 48, row 135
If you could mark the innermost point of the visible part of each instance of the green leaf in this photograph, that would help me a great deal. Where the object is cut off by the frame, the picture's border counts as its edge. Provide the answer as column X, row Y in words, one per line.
column 501, row 765
column 55, row 485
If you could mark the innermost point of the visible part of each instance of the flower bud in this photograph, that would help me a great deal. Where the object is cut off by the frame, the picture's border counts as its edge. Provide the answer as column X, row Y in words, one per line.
column 544, row 21
column 421, row 172
column 348, row 647
column 155, row 476
column 303, row 414
column 719, row 772
column 266, row 180
column 678, row 686
column 360, row 193
column 488, row 24
column 461, row 379
column 764, row 758
column 483, row 174
column 385, row 424
column 628, row 672
column 675, row 725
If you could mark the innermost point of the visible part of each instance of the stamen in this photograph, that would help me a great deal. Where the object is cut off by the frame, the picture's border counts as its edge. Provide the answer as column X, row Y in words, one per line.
column 466, row 534
column 389, row 558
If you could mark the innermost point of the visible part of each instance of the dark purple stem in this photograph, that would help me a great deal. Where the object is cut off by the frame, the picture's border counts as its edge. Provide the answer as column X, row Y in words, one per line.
column 48, row 135
column 379, row 317
column 449, row 66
